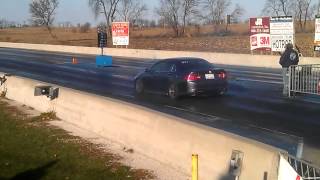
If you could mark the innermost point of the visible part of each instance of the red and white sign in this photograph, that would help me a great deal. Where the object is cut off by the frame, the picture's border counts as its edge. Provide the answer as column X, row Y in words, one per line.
column 286, row 172
column 260, row 33
column 120, row 33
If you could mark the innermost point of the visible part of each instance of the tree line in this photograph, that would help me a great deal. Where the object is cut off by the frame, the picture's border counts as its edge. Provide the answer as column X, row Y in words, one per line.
column 177, row 14
column 301, row 10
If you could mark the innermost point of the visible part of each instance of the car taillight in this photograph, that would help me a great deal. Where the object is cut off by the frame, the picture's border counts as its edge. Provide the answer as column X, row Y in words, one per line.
column 193, row 77
column 222, row 75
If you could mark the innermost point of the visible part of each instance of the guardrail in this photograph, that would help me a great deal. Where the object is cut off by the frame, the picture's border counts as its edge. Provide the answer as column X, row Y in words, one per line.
column 306, row 170
column 151, row 133
column 304, row 79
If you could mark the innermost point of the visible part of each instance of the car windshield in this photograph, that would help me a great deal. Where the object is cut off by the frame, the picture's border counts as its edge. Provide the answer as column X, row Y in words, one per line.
column 190, row 65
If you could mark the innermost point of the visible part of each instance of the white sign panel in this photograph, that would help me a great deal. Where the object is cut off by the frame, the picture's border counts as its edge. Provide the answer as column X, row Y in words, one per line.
column 281, row 32
column 317, row 34
column 286, row 172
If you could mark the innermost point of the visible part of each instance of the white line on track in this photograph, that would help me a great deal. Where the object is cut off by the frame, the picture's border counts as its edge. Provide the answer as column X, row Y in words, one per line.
column 254, row 72
column 127, row 96
column 261, row 81
column 274, row 131
column 250, row 125
column 215, row 118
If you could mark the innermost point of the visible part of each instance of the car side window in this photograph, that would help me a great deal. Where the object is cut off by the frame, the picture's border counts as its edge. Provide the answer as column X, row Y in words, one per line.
column 161, row 67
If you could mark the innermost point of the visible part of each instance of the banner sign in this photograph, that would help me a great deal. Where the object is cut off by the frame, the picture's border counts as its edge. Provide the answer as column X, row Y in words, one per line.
column 120, row 33
column 281, row 32
column 286, row 172
column 260, row 33
column 317, row 34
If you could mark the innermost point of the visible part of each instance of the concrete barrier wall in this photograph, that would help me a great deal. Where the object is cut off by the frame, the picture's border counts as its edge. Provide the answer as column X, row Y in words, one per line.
column 163, row 137
column 218, row 58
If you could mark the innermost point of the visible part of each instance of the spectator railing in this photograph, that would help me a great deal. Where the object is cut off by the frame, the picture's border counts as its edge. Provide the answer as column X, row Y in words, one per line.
column 304, row 79
column 306, row 170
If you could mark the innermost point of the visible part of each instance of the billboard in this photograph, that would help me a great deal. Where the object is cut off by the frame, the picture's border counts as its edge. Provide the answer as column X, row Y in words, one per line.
column 317, row 34
column 260, row 33
column 120, row 33
column 281, row 32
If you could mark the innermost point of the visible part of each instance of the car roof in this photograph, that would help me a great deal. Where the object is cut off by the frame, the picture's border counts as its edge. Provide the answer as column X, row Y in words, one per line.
column 179, row 59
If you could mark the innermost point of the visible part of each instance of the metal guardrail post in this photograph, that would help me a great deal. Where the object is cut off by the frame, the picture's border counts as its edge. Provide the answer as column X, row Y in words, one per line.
column 289, row 81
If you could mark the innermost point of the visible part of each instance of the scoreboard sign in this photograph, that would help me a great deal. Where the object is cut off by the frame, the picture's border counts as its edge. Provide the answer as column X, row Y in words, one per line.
column 260, row 33
column 102, row 37
column 282, row 32
column 120, row 33
column 102, row 40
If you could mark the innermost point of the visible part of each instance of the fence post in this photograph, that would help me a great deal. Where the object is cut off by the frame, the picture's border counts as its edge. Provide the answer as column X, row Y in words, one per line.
column 194, row 167
column 289, row 81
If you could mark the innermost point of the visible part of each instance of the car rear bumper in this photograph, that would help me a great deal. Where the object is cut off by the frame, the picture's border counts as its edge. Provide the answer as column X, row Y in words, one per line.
column 206, row 88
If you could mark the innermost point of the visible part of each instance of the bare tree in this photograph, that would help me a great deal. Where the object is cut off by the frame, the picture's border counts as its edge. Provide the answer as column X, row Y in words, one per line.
column 106, row 7
column 216, row 10
column 189, row 9
column 131, row 10
column 43, row 12
column 286, row 7
column 279, row 7
column 303, row 12
column 169, row 11
column 237, row 13
column 271, row 8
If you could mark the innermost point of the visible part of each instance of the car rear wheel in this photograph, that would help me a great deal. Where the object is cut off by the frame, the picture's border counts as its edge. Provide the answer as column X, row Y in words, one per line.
column 173, row 92
column 221, row 92
column 139, row 87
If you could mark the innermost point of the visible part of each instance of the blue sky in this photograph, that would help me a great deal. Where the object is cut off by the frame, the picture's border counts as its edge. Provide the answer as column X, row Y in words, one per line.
column 77, row 11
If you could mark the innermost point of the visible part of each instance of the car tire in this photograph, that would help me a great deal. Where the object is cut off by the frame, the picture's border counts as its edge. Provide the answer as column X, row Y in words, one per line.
column 173, row 92
column 139, row 87
column 221, row 92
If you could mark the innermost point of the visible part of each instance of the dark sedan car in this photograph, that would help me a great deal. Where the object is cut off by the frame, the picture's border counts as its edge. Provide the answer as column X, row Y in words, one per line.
column 182, row 76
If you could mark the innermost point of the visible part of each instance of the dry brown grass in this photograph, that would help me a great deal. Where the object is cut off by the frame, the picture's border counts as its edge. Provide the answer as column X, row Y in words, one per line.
column 205, row 38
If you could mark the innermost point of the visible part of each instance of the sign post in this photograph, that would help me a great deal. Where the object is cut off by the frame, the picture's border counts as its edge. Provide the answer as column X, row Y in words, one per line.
column 282, row 32
column 260, row 34
column 103, row 60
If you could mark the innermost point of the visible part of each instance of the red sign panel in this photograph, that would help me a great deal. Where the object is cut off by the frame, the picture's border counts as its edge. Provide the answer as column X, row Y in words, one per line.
column 260, row 33
column 120, row 33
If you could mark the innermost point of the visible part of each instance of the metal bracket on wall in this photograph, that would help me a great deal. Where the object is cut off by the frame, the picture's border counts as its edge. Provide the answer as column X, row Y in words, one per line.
column 49, row 91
